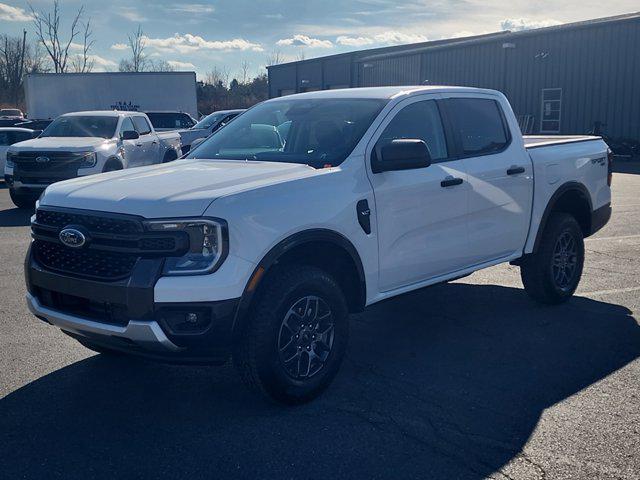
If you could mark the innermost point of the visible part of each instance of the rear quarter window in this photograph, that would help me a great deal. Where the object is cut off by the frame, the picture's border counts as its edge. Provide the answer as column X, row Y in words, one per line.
column 479, row 125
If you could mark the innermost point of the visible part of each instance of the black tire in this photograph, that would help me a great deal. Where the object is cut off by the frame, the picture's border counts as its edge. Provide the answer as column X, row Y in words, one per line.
column 170, row 156
column 112, row 166
column 543, row 280
column 26, row 201
column 257, row 353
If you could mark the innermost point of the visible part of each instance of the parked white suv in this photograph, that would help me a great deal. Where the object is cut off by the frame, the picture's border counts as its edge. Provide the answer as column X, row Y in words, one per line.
column 84, row 143
column 259, row 246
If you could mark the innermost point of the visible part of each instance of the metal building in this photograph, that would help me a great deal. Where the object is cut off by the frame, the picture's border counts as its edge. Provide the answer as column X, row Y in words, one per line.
column 563, row 79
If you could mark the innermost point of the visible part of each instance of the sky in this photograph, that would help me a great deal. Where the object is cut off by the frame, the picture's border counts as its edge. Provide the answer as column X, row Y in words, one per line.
column 202, row 35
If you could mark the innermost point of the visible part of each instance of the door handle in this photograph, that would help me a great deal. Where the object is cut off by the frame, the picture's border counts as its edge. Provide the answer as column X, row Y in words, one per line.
column 450, row 182
column 138, row 144
column 514, row 170
column 154, row 142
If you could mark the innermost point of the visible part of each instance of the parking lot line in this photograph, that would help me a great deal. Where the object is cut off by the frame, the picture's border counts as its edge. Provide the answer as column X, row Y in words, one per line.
column 621, row 237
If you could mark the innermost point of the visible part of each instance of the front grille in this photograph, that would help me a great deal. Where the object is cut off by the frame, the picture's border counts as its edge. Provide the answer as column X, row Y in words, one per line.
column 103, row 312
column 56, row 161
column 87, row 263
column 114, row 243
column 93, row 222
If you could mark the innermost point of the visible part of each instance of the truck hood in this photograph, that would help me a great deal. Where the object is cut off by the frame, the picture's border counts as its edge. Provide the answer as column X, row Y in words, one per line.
column 177, row 189
column 62, row 143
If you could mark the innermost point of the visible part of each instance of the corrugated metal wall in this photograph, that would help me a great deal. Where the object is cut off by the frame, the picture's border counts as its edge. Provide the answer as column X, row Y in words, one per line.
column 597, row 67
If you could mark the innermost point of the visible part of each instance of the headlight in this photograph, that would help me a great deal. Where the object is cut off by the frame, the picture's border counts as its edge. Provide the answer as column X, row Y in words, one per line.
column 208, row 245
column 11, row 159
column 89, row 159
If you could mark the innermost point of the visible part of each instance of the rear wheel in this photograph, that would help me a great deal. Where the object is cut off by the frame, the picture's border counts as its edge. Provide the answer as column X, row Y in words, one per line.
column 552, row 274
column 293, row 345
column 23, row 200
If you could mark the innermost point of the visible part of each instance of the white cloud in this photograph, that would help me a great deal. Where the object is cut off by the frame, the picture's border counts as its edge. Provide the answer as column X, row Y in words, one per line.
column 119, row 46
column 519, row 24
column 304, row 41
column 390, row 37
column 192, row 8
column 181, row 65
column 14, row 14
column 190, row 43
column 354, row 41
column 131, row 14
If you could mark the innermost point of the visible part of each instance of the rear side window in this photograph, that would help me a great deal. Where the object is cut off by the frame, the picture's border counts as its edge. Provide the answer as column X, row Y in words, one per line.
column 142, row 126
column 479, row 125
column 420, row 120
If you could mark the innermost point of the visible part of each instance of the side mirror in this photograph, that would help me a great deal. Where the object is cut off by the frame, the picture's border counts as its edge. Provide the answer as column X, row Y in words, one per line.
column 401, row 154
column 130, row 135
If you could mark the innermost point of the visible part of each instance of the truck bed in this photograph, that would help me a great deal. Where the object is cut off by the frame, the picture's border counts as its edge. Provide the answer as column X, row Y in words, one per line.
column 537, row 141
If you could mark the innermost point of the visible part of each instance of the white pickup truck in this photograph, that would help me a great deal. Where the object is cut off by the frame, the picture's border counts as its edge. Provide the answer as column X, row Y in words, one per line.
column 260, row 243
column 84, row 143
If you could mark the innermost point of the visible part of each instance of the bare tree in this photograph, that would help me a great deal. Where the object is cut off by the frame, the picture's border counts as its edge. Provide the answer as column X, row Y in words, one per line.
column 48, row 31
column 275, row 58
column 160, row 66
column 17, row 58
column 138, row 61
column 217, row 77
column 301, row 55
column 83, row 63
column 244, row 67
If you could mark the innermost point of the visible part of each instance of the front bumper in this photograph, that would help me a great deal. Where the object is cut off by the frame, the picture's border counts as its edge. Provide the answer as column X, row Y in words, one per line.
column 122, row 315
column 147, row 335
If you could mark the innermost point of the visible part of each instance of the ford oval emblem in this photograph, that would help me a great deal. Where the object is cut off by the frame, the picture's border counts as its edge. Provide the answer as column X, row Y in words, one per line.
column 42, row 159
column 72, row 237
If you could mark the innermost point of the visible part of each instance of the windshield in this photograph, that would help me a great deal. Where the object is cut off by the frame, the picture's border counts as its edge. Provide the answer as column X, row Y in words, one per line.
column 82, row 126
column 210, row 120
column 10, row 112
column 316, row 132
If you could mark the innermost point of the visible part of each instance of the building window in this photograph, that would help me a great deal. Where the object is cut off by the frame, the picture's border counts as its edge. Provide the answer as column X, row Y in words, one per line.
column 551, row 110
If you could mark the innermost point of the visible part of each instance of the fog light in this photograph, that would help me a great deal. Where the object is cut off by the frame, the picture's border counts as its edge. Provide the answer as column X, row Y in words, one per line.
column 184, row 322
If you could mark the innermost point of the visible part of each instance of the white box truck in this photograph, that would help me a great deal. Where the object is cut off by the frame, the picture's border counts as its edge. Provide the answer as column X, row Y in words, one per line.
column 49, row 95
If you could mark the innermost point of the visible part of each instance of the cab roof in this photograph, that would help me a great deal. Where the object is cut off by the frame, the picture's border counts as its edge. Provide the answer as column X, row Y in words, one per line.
column 384, row 93
column 102, row 113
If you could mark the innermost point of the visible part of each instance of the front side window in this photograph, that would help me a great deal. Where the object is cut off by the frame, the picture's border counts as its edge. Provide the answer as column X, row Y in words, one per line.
column 420, row 120
column 82, row 126
column 316, row 132
column 209, row 121
column 479, row 125
column 141, row 124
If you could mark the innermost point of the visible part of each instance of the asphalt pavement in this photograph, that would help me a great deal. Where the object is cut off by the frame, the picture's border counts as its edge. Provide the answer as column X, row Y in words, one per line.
column 466, row 380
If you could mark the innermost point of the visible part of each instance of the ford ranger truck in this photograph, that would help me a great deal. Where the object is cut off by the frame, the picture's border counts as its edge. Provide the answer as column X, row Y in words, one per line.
column 260, row 243
column 84, row 143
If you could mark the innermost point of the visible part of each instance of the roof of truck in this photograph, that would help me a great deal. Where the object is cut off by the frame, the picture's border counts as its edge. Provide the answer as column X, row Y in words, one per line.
column 384, row 93
column 101, row 113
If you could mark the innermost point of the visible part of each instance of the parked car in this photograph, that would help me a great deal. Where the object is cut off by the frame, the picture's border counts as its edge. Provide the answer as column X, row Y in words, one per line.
column 11, row 135
column 34, row 124
column 206, row 127
column 84, row 143
column 259, row 249
column 164, row 121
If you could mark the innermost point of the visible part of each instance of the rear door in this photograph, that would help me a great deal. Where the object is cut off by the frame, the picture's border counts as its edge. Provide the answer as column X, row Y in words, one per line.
column 421, row 213
column 500, row 175
column 148, row 141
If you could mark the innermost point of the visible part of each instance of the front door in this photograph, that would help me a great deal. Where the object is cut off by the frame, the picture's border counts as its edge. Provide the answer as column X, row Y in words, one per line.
column 421, row 213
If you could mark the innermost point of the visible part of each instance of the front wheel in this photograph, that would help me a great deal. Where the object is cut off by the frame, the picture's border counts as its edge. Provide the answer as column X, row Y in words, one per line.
column 20, row 200
column 293, row 345
column 552, row 274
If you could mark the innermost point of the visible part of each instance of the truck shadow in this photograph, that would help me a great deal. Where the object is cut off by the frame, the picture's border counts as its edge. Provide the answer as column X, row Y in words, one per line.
column 448, row 382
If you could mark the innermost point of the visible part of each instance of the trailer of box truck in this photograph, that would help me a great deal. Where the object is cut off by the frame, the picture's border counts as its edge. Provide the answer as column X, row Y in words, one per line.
column 49, row 95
